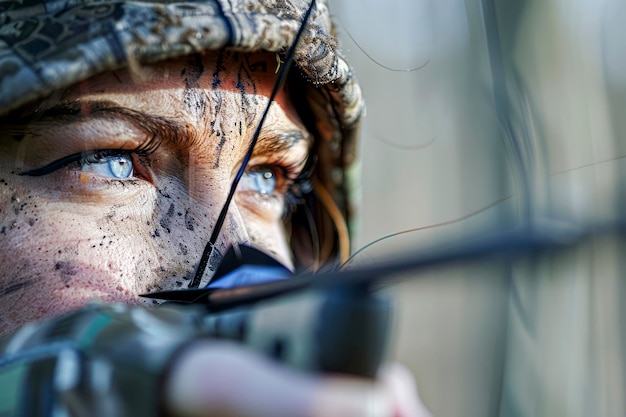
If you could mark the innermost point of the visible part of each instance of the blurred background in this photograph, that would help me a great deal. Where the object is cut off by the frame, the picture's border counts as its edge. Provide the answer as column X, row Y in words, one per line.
column 486, row 116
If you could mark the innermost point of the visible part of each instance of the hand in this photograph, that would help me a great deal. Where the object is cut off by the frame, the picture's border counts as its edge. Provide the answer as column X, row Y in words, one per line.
column 213, row 378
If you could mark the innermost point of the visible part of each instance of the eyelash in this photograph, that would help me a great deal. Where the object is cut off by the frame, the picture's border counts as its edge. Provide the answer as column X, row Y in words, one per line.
column 292, row 181
column 89, row 157
column 293, row 184
column 299, row 186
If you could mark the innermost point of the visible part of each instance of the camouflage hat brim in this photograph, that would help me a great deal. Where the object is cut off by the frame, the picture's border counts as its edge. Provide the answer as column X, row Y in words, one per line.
column 48, row 45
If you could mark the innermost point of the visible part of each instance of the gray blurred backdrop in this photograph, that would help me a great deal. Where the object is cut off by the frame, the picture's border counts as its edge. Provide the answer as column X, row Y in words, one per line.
column 485, row 116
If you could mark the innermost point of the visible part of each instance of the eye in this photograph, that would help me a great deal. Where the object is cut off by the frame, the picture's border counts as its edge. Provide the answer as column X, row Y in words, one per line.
column 112, row 164
column 261, row 180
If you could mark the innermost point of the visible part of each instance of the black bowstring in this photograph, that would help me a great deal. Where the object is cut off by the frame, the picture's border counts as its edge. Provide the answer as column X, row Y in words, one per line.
column 418, row 229
column 280, row 81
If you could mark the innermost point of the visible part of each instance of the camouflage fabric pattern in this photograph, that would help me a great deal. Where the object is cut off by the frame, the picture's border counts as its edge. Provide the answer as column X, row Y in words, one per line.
column 48, row 45
column 101, row 361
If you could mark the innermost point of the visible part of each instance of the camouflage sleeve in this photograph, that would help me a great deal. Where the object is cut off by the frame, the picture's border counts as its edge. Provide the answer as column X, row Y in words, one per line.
column 103, row 360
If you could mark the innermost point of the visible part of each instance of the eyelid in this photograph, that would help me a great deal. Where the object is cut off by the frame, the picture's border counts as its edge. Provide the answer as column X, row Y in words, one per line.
column 53, row 166
column 275, row 142
column 70, row 159
column 285, row 170
column 290, row 150
column 292, row 175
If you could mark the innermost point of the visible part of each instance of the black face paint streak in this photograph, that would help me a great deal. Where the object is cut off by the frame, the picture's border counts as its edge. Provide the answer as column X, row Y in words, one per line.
column 66, row 271
column 163, row 193
column 154, row 288
column 244, row 84
column 190, row 221
column 193, row 97
column 189, row 275
column 247, row 88
column 219, row 147
column 166, row 219
column 216, row 128
column 240, row 85
column 16, row 287
column 17, row 207
column 219, row 67
column 217, row 100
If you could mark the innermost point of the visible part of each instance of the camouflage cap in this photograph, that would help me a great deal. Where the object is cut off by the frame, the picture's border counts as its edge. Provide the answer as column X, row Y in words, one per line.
column 47, row 45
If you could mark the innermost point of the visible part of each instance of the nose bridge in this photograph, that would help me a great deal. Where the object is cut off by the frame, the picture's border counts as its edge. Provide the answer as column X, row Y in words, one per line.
column 197, row 178
column 207, row 198
column 207, row 181
column 208, row 188
column 234, row 229
column 213, row 157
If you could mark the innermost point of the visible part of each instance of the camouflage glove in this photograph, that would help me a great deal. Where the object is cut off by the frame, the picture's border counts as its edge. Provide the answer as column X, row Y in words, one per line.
column 103, row 360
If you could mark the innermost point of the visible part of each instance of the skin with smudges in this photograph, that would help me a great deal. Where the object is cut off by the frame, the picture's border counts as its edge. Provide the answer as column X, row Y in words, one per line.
column 189, row 221
column 71, row 235
column 196, row 103
column 66, row 271
column 12, row 288
column 167, row 218
column 219, row 66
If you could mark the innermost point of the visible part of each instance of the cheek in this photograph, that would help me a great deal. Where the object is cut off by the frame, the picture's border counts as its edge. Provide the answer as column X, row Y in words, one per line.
column 178, row 230
column 268, row 236
column 60, row 249
column 59, row 255
column 57, row 258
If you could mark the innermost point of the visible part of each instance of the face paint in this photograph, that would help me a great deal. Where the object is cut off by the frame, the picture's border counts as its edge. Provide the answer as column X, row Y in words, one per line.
column 115, row 187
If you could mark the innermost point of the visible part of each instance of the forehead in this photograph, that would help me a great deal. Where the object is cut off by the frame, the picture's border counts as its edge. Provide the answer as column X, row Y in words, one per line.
column 154, row 84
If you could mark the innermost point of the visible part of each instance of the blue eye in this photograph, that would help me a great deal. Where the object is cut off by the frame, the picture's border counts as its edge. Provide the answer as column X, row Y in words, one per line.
column 115, row 165
column 262, row 181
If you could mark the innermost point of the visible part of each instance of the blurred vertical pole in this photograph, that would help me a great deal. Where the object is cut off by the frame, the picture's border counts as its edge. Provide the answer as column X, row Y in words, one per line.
column 433, row 159
column 520, row 109
column 559, row 90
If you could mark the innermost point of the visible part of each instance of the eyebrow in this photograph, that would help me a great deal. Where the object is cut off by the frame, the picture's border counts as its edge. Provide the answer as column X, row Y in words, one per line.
column 158, row 126
column 83, row 110
column 280, row 142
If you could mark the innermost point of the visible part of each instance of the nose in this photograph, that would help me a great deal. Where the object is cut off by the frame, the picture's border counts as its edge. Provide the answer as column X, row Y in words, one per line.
column 234, row 229
column 231, row 232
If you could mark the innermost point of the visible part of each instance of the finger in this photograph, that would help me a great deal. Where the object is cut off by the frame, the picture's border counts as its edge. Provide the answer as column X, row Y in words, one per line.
column 223, row 379
column 402, row 388
column 339, row 397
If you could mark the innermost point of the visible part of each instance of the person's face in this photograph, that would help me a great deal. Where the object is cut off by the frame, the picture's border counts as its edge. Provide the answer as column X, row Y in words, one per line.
column 112, row 188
